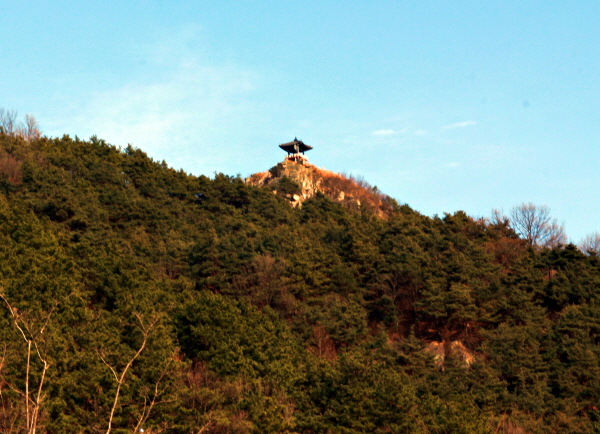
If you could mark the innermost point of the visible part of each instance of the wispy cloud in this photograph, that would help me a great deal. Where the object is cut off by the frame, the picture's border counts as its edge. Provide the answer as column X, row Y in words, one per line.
column 384, row 132
column 190, row 100
column 421, row 132
column 192, row 103
column 459, row 125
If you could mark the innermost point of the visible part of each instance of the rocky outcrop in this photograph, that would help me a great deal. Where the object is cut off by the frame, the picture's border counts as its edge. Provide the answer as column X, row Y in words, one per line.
column 297, row 181
column 459, row 350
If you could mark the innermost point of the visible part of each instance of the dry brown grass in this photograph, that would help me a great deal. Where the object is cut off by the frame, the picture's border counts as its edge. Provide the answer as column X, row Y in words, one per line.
column 357, row 192
column 352, row 192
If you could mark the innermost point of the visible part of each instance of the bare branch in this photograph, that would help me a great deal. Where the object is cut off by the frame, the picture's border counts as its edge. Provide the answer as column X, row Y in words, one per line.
column 499, row 218
column 145, row 330
column 590, row 244
column 31, row 129
column 534, row 223
column 8, row 121
column 157, row 393
column 207, row 425
column 10, row 126
column 15, row 314
column 39, row 398
column 106, row 363
column 32, row 406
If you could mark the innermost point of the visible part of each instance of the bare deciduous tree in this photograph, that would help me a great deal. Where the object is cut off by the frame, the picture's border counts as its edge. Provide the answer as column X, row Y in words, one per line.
column 8, row 121
column 499, row 218
column 9, row 411
column 145, row 329
column 590, row 244
column 151, row 402
column 33, row 398
column 534, row 223
column 11, row 167
column 31, row 130
column 11, row 127
column 263, row 281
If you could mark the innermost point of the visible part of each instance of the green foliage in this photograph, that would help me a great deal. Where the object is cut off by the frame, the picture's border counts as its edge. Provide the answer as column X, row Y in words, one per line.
column 288, row 186
column 234, row 338
column 228, row 311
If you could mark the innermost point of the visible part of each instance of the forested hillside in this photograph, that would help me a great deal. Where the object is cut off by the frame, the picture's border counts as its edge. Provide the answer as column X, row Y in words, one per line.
column 138, row 296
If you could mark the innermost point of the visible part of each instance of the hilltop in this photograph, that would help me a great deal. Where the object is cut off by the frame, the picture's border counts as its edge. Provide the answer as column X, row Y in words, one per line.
column 134, row 295
column 297, row 181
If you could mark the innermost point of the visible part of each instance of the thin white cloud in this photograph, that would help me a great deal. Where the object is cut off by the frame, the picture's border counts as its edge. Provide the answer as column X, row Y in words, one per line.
column 384, row 132
column 459, row 125
column 190, row 105
column 421, row 132
column 452, row 164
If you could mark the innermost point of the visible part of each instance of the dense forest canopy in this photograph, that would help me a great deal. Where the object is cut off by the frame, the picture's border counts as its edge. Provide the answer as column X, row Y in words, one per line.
column 137, row 296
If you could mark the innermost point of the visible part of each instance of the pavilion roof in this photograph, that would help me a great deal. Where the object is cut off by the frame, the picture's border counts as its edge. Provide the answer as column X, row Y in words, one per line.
column 295, row 146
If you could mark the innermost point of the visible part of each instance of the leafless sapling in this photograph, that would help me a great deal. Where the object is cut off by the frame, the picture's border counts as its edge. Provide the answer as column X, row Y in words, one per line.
column 33, row 398
column 120, row 377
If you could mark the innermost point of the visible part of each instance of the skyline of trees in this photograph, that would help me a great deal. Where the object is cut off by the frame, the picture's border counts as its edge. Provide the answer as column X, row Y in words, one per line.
column 11, row 126
column 532, row 222
column 240, row 314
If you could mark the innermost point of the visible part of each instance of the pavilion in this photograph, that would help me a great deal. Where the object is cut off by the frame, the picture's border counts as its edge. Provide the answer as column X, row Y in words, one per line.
column 295, row 149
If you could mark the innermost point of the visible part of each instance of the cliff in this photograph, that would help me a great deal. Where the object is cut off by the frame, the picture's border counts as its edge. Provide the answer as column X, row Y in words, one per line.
column 299, row 181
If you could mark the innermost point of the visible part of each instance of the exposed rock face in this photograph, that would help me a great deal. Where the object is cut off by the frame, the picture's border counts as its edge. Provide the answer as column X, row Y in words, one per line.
column 457, row 347
column 305, row 181
column 299, row 181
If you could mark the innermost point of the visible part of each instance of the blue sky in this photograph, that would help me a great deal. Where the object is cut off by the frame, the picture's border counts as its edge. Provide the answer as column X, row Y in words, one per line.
column 446, row 106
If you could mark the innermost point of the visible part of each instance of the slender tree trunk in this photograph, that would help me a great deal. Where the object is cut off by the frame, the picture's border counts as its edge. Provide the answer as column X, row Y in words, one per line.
column 27, row 384
column 121, row 378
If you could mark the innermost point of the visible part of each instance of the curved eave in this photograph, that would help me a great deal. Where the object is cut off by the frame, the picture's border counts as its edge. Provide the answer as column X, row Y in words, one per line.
column 289, row 147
